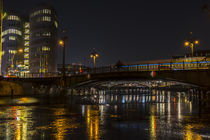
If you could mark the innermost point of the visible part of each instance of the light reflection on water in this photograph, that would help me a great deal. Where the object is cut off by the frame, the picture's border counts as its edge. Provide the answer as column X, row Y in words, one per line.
column 155, row 115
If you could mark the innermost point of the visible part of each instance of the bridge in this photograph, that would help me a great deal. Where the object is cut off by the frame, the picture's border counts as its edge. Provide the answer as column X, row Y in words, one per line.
column 187, row 70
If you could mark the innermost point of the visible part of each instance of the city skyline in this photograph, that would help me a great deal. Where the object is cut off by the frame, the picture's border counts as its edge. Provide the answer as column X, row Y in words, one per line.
column 139, row 30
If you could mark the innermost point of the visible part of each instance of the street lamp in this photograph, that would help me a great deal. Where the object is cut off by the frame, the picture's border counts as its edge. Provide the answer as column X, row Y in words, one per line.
column 62, row 43
column 15, row 52
column 191, row 43
column 94, row 55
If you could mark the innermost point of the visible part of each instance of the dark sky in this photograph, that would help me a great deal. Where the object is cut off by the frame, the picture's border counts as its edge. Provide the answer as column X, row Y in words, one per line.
column 129, row 30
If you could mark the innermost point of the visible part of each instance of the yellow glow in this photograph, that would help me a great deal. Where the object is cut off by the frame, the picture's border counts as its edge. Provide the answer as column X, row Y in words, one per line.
column 97, row 55
column 196, row 41
column 190, row 135
column 153, row 124
column 20, row 50
column 187, row 43
column 61, row 43
column 91, row 56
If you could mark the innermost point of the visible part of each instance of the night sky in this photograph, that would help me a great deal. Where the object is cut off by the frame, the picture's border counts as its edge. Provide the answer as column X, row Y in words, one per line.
column 126, row 30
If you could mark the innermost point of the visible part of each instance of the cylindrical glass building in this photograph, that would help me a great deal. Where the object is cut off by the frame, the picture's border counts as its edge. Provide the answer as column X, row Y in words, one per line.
column 43, row 39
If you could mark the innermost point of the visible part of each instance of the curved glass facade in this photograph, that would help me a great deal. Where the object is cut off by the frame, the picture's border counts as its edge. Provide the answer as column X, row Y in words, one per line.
column 43, row 42
column 12, row 41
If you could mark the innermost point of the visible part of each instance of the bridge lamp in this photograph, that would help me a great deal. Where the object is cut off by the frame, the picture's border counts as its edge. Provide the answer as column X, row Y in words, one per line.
column 94, row 55
column 191, row 44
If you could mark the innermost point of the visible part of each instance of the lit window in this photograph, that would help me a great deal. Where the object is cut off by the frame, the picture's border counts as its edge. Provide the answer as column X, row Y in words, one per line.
column 26, row 55
column 12, row 51
column 46, row 34
column 26, row 43
column 27, row 25
column 26, row 31
column 46, row 11
column 46, row 18
column 26, row 62
column 45, row 48
column 3, row 39
column 56, row 24
column 13, row 17
column 12, row 38
column 26, row 49
column 26, row 37
column 11, row 31
column 43, row 11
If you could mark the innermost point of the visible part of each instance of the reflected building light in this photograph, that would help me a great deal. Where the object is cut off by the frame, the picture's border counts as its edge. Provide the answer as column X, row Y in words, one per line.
column 169, row 96
column 163, row 107
column 143, row 99
column 116, row 97
column 179, row 106
column 83, row 110
column 130, row 98
column 123, row 99
column 126, row 98
column 152, row 124
column 190, row 107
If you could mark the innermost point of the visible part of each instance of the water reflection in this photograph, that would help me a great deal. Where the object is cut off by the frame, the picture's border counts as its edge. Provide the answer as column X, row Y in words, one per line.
column 16, row 123
column 158, row 114
column 92, row 118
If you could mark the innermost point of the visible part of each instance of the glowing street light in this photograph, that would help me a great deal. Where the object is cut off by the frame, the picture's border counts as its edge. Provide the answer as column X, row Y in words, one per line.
column 94, row 55
column 191, row 43
column 62, row 43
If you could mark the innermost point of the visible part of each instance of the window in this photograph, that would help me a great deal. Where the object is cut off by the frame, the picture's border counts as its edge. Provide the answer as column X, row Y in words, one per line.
column 27, row 25
column 56, row 24
column 12, row 51
column 43, row 11
column 46, row 34
column 46, row 18
column 27, row 31
column 26, row 37
column 3, row 39
column 26, row 55
column 26, row 62
column 45, row 48
column 13, row 17
column 26, row 43
column 26, row 49
column 12, row 38
column 11, row 31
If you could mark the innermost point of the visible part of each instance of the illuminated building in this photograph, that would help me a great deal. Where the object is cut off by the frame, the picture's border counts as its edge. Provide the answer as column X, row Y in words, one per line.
column 43, row 41
column 12, row 38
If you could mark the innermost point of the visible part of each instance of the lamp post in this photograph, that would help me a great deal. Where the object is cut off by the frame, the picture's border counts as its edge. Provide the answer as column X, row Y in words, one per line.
column 94, row 55
column 191, row 43
column 62, row 43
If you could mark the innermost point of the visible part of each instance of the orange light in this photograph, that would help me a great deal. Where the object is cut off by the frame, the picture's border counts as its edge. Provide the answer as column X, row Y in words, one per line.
column 187, row 43
column 61, row 43
column 196, row 41
column 20, row 50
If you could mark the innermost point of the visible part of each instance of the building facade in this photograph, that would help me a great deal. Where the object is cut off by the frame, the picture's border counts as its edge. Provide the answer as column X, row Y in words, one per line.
column 12, row 41
column 43, row 41
column 30, row 42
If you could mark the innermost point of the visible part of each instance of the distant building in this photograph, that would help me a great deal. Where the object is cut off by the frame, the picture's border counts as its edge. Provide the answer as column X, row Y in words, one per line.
column 43, row 41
